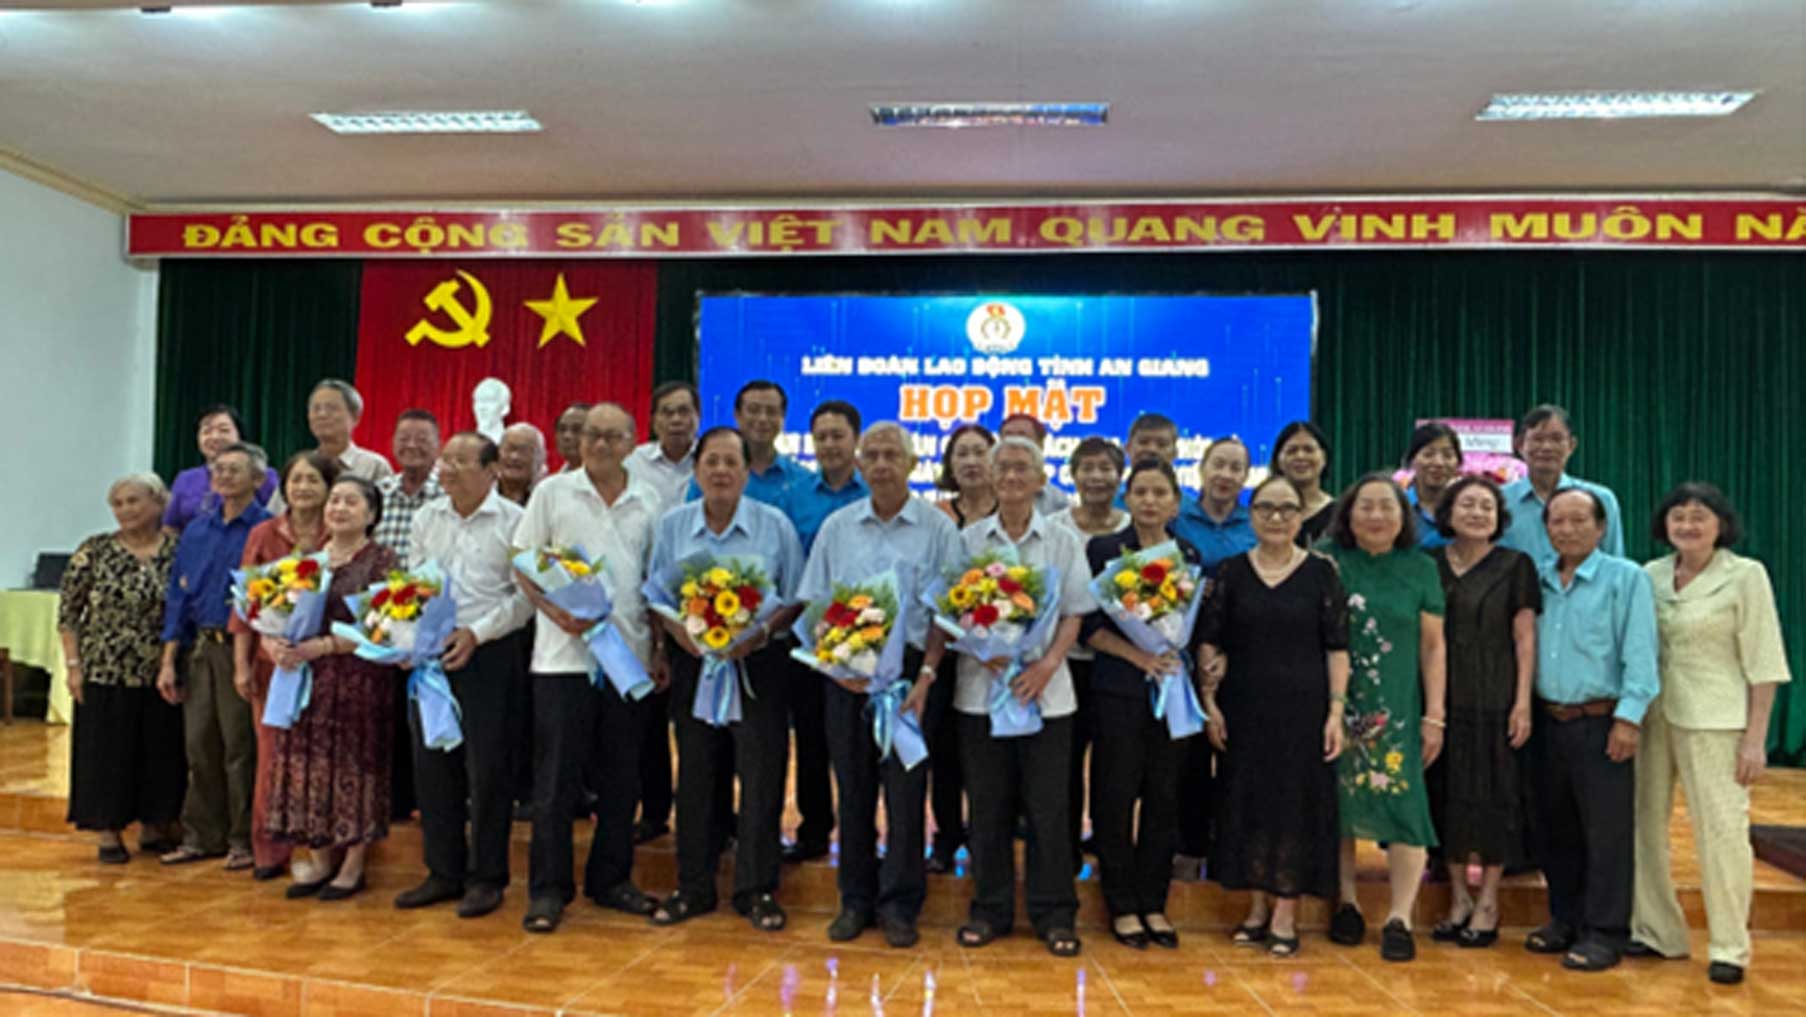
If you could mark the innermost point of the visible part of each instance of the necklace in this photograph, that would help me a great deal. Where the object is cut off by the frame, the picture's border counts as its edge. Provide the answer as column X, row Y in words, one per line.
column 1270, row 571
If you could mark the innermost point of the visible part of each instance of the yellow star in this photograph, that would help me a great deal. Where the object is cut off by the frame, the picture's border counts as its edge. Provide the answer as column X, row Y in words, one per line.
column 561, row 314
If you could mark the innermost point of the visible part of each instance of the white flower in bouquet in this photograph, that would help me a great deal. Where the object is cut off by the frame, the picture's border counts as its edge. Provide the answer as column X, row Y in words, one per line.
column 270, row 623
column 742, row 617
column 1170, row 626
column 401, row 635
column 871, row 616
column 843, row 653
column 864, row 663
column 695, row 626
column 1142, row 611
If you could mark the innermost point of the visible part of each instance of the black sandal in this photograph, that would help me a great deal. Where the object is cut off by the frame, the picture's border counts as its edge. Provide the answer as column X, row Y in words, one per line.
column 1284, row 946
column 679, row 908
column 624, row 896
column 1471, row 938
column 1590, row 955
column 1167, row 938
column 1136, row 939
column 975, row 934
column 1552, row 938
column 765, row 913
column 1062, row 942
column 1249, row 935
column 1447, row 931
column 543, row 915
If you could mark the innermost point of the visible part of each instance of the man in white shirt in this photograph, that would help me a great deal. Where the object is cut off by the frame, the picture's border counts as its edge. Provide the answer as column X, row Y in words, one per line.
column 470, row 534
column 610, row 515
column 667, row 462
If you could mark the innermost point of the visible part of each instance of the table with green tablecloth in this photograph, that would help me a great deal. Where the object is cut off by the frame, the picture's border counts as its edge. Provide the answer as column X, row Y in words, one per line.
column 28, row 635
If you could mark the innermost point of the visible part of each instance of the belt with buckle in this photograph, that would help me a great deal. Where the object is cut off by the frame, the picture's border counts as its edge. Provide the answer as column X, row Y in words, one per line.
column 1566, row 712
column 213, row 635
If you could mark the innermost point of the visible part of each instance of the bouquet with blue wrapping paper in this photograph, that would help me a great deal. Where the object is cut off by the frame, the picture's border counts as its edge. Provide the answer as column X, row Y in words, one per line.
column 718, row 601
column 858, row 636
column 1153, row 596
column 998, row 610
column 404, row 621
column 285, row 599
column 574, row 582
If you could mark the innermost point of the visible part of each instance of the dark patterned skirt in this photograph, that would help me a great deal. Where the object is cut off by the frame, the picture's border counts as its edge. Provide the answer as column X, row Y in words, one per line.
column 330, row 781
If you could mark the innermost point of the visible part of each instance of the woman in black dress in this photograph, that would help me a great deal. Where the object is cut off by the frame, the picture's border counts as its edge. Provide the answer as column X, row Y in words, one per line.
column 1279, row 618
column 1493, row 600
column 1132, row 755
column 1301, row 455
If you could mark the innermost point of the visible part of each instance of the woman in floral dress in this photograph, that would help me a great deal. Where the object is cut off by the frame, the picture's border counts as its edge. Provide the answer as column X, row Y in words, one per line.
column 1395, row 728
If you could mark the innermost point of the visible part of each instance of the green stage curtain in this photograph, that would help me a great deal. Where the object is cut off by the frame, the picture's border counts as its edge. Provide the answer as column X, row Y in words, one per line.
column 1675, row 365
column 257, row 335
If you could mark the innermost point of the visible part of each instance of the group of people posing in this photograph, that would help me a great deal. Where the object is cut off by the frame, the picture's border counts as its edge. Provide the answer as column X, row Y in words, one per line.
column 1465, row 672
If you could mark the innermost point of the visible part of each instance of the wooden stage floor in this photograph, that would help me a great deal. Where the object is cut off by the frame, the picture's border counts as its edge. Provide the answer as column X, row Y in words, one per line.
column 77, row 937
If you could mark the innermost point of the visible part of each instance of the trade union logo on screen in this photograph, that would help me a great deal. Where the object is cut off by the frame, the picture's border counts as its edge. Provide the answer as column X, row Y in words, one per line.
column 995, row 327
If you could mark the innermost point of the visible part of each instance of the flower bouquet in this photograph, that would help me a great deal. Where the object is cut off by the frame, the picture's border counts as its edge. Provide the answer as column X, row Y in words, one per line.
column 718, row 602
column 997, row 610
column 858, row 635
column 1153, row 596
column 404, row 621
column 574, row 582
column 284, row 599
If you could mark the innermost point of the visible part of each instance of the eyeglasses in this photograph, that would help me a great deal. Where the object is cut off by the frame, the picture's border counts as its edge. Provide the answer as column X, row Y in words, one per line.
column 1268, row 511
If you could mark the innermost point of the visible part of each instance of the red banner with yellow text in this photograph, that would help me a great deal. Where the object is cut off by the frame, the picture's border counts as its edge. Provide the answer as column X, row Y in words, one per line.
column 552, row 332
column 1736, row 223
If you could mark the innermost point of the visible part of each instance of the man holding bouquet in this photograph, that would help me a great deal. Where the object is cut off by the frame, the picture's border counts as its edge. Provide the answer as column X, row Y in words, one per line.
column 610, row 514
column 1021, row 763
column 469, row 533
column 890, row 531
column 724, row 567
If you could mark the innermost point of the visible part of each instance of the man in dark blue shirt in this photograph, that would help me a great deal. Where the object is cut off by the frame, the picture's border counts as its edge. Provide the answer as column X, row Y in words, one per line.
column 217, row 721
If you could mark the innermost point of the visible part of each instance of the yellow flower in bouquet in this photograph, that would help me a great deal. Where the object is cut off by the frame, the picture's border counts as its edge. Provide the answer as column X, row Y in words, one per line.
column 990, row 590
column 279, row 584
column 852, row 629
column 1153, row 586
column 719, row 602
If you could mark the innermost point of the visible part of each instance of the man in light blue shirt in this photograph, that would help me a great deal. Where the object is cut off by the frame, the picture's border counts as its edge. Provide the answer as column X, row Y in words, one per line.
column 890, row 531
column 759, row 409
column 1545, row 440
column 1596, row 675
column 810, row 499
column 725, row 523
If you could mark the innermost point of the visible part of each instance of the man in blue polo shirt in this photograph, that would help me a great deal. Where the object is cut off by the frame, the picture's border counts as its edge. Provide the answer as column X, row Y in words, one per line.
column 1595, row 677
column 216, row 720
column 1545, row 440
column 834, row 432
column 759, row 409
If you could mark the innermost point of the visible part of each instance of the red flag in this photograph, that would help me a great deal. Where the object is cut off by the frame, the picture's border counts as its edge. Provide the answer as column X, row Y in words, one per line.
column 555, row 332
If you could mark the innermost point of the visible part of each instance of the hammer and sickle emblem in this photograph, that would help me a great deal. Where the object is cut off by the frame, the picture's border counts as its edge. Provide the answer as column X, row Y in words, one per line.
column 473, row 325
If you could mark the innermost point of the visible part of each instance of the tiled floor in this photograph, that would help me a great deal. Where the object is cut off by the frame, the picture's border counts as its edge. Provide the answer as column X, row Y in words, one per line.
column 198, row 938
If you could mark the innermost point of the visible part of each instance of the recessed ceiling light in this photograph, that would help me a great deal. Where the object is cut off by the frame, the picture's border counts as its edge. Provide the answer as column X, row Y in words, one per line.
column 1611, row 105
column 464, row 122
column 991, row 114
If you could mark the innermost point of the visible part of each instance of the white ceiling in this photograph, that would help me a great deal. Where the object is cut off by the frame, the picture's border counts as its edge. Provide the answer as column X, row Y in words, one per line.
column 689, row 99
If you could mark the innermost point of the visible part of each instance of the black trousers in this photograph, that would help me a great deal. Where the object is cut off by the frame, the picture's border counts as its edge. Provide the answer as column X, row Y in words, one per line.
column 1134, row 759
column 656, row 788
column 946, row 775
column 571, row 719
column 755, row 746
column 474, row 782
column 1587, row 824
column 127, row 761
column 1084, row 727
column 809, row 729
column 1020, row 776
column 1197, row 789
column 896, row 888
column 520, row 720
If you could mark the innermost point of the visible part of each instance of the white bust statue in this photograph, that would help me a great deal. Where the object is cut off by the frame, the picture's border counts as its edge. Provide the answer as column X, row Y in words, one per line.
column 491, row 400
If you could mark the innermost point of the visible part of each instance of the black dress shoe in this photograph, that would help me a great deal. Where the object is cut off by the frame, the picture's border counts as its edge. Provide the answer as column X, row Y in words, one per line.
column 1347, row 927
column 433, row 891
column 332, row 891
column 114, row 854
column 480, row 900
column 799, row 852
column 1724, row 973
column 900, row 934
column 1397, row 943
column 847, row 926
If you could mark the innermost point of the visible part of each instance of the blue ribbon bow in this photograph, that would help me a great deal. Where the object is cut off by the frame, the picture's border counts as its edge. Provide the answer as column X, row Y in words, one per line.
column 290, row 692
column 893, row 729
column 441, row 718
column 613, row 661
column 1009, row 718
column 1176, row 702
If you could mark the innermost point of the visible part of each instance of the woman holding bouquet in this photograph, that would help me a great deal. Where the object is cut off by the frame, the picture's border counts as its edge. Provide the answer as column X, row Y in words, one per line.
column 300, row 529
column 1133, row 756
column 1279, row 617
column 329, row 779
column 724, row 524
column 1027, row 769
column 1394, row 725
